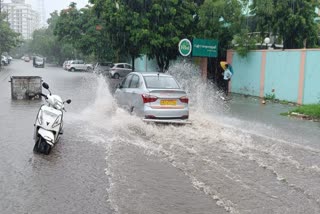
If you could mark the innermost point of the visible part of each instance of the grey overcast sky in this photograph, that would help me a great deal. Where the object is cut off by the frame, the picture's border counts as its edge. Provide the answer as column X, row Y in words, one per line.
column 52, row 5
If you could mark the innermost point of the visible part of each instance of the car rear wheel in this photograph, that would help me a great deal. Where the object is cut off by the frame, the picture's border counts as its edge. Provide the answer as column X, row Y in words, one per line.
column 116, row 76
column 73, row 69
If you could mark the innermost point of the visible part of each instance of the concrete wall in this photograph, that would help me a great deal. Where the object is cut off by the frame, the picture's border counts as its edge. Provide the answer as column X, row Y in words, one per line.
column 312, row 77
column 292, row 75
column 243, row 68
column 143, row 64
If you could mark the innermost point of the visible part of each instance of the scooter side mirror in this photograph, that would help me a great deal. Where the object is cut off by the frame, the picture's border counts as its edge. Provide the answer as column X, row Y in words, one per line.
column 68, row 101
column 45, row 85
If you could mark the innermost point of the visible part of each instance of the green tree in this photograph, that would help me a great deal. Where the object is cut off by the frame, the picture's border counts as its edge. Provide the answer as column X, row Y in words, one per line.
column 147, row 27
column 224, row 21
column 8, row 38
column 80, row 29
column 124, row 26
column 45, row 43
column 169, row 22
column 291, row 20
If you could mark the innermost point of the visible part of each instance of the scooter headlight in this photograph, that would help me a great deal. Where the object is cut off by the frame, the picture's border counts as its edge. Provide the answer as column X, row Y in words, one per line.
column 57, row 122
column 40, row 117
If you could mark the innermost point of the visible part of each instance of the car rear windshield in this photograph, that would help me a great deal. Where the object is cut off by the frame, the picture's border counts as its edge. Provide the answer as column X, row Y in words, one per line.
column 164, row 82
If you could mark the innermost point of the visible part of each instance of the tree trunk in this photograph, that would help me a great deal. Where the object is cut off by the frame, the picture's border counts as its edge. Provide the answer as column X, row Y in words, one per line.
column 166, row 66
column 160, row 63
column 132, row 62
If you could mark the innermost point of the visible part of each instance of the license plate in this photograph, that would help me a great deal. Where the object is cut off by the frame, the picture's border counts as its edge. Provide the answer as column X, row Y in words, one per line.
column 168, row 102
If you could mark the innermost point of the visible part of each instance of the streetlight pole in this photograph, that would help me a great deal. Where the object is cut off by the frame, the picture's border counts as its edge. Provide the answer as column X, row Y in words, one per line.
column 267, row 41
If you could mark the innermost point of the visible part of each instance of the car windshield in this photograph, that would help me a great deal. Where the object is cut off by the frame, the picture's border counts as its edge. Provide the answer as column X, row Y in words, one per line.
column 163, row 82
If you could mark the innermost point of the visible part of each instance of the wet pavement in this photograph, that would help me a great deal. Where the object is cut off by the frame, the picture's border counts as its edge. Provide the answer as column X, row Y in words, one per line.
column 236, row 157
column 71, row 179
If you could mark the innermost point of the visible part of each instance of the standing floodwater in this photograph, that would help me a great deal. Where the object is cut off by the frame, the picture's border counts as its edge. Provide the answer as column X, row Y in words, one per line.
column 235, row 157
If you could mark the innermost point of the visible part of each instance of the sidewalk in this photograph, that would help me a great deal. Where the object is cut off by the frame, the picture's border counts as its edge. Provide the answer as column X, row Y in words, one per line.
column 250, row 114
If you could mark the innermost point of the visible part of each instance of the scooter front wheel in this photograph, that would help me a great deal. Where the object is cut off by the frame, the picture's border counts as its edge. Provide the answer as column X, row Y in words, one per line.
column 41, row 146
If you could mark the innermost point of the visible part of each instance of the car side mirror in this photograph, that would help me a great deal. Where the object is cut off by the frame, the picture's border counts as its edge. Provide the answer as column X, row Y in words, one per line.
column 45, row 85
column 68, row 101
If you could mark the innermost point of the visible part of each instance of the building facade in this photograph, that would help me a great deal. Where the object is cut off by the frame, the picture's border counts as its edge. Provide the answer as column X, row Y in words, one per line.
column 22, row 18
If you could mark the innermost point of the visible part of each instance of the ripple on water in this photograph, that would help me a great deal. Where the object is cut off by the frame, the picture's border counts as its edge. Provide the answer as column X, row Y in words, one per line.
column 242, row 171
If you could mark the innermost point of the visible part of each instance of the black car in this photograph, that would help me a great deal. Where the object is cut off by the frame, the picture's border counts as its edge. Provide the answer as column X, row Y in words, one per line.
column 38, row 62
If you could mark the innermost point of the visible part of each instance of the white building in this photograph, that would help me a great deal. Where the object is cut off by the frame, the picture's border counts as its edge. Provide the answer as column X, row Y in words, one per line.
column 42, row 13
column 22, row 18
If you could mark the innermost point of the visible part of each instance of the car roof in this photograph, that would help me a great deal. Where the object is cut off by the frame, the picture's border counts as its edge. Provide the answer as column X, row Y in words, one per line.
column 149, row 73
column 121, row 63
column 106, row 63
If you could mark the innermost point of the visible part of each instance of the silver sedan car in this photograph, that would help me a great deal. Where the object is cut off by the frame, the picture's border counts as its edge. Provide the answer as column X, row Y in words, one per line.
column 154, row 96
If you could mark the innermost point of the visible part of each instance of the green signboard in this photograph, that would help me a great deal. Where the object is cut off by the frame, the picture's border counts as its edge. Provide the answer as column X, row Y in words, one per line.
column 185, row 47
column 205, row 48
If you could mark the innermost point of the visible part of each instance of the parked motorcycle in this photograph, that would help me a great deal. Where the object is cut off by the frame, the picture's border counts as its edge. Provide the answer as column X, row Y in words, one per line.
column 49, row 122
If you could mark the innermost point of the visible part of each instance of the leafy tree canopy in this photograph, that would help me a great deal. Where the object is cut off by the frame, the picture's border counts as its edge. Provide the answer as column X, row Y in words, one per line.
column 80, row 29
column 150, row 27
column 8, row 38
column 291, row 20
column 45, row 43
column 222, row 20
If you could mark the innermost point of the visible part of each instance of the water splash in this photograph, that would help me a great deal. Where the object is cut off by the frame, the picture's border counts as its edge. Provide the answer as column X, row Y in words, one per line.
column 239, row 169
column 205, row 97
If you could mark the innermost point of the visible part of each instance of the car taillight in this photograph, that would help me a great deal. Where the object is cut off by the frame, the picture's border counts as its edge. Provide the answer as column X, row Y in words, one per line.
column 184, row 99
column 148, row 98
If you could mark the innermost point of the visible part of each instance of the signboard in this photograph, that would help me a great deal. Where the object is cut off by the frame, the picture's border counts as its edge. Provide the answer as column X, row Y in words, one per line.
column 205, row 48
column 185, row 47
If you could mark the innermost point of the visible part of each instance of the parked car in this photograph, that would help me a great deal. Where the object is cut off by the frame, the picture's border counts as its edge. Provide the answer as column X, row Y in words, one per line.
column 64, row 65
column 9, row 59
column 120, row 70
column 27, row 59
column 38, row 62
column 155, row 97
column 103, row 67
column 4, row 60
column 78, row 65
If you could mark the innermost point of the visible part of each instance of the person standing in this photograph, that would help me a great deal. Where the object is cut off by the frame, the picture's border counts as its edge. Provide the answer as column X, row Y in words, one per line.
column 227, row 74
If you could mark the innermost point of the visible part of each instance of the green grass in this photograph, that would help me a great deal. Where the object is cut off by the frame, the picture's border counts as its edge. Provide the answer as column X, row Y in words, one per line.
column 284, row 102
column 270, row 97
column 285, row 114
column 308, row 110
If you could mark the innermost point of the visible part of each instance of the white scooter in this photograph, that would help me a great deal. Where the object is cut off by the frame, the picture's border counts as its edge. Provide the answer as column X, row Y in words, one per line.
column 49, row 122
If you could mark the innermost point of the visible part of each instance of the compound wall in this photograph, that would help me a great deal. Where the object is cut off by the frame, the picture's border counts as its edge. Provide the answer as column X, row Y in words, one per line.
column 292, row 75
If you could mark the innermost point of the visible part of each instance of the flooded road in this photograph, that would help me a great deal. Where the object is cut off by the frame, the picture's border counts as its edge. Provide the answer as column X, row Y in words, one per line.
column 236, row 157
column 71, row 179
